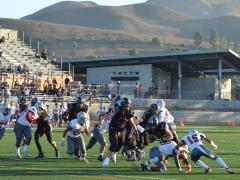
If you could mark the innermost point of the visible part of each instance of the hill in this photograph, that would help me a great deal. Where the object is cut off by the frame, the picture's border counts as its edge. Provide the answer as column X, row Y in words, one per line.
column 201, row 8
column 85, row 28
column 76, row 41
column 138, row 18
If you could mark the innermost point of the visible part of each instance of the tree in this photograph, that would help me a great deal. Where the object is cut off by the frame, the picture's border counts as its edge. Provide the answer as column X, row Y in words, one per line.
column 223, row 43
column 197, row 39
column 214, row 38
column 156, row 41
column 132, row 52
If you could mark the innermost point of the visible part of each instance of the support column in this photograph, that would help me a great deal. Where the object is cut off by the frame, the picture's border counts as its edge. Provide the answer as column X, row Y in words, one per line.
column 30, row 42
column 38, row 47
column 73, row 72
column 220, row 79
column 23, row 37
column 69, row 69
column 179, row 80
column 61, row 68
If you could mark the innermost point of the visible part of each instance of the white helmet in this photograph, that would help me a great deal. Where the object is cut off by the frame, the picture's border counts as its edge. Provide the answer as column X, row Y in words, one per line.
column 82, row 117
column 193, row 131
column 161, row 104
column 39, row 106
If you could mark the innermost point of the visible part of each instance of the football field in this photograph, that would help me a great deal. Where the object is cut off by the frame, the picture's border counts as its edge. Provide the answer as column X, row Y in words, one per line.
column 65, row 167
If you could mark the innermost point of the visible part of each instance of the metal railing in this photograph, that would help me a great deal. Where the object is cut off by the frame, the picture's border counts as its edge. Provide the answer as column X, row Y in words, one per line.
column 133, row 91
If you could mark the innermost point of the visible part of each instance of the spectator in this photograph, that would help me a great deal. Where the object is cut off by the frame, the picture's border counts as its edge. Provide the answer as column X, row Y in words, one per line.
column 44, row 55
column 37, row 55
column 2, row 40
column 19, row 69
column 56, row 114
column 61, row 112
column 67, row 81
column 54, row 82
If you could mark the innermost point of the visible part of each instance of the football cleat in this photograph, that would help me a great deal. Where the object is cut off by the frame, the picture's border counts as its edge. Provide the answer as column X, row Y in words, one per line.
column 105, row 166
column 19, row 156
column 132, row 157
column 83, row 159
column 39, row 156
column 230, row 171
column 208, row 170
column 100, row 158
column 144, row 167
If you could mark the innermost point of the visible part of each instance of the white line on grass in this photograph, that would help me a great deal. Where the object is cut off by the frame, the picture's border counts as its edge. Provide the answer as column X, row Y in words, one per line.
column 87, row 173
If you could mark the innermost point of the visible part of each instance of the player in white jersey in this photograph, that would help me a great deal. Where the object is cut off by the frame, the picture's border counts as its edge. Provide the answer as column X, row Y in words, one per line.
column 159, row 154
column 165, row 116
column 194, row 140
column 5, row 117
column 23, row 129
column 74, row 132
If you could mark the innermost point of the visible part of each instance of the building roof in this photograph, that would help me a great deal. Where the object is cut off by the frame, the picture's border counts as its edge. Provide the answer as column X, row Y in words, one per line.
column 193, row 62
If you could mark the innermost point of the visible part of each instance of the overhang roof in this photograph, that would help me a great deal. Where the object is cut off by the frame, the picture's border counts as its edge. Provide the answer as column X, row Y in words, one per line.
column 193, row 62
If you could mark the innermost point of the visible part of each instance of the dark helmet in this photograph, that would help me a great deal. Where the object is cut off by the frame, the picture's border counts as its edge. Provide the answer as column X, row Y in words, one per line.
column 116, row 105
column 118, row 98
column 154, row 107
column 125, row 101
column 153, row 121
column 34, row 100
column 22, row 99
column 80, row 99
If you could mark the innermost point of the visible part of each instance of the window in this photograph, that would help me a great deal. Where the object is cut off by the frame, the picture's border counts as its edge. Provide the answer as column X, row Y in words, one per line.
column 131, row 73
column 136, row 73
column 119, row 73
column 114, row 73
column 125, row 73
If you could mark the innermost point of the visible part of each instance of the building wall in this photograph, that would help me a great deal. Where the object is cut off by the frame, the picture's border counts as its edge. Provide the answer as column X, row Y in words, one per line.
column 127, row 75
column 8, row 33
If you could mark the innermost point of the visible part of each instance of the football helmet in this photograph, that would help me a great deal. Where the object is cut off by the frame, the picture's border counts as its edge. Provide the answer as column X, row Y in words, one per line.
column 193, row 131
column 82, row 118
column 161, row 104
column 6, row 109
column 153, row 121
column 34, row 100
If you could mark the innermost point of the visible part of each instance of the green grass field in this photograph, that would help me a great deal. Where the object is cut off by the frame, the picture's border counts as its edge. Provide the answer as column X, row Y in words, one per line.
column 227, row 139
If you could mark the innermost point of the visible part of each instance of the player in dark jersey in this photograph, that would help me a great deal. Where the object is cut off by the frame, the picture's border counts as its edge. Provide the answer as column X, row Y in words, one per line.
column 44, row 127
column 117, row 128
column 151, row 111
column 75, row 108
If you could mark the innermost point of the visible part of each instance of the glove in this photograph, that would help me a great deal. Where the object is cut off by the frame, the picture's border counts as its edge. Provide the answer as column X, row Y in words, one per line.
column 214, row 145
column 62, row 141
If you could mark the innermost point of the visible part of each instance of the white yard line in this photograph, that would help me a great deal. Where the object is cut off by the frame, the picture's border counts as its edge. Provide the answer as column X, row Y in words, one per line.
column 86, row 173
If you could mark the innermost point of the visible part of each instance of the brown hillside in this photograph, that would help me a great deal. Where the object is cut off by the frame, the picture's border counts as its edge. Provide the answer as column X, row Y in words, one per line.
column 201, row 8
column 76, row 41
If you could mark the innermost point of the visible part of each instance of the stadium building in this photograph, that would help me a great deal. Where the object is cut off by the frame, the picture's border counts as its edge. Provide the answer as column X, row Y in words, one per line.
column 182, row 75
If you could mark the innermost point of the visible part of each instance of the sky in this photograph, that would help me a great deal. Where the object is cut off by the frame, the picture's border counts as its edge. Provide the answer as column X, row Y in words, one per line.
column 18, row 8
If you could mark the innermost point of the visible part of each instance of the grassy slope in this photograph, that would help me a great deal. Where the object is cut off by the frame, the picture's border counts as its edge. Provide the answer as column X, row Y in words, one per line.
column 227, row 139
